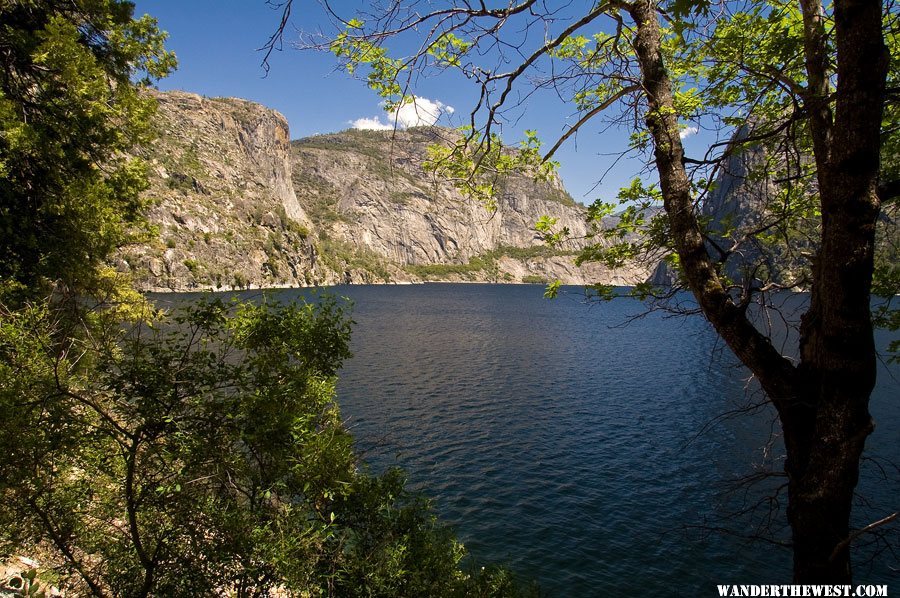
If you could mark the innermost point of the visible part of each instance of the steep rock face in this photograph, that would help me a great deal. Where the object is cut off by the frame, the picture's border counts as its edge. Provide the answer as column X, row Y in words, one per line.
column 739, row 204
column 744, row 207
column 368, row 192
column 748, row 204
column 223, row 200
column 237, row 204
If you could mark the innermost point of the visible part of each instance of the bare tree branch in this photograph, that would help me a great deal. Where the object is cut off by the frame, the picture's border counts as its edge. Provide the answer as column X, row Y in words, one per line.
column 857, row 533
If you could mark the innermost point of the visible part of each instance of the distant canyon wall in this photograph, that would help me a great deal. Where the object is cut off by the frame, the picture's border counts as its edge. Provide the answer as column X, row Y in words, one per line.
column 237, row 204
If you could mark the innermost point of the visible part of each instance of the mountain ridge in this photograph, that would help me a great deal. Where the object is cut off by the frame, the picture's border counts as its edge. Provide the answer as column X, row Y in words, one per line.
column 239, row 205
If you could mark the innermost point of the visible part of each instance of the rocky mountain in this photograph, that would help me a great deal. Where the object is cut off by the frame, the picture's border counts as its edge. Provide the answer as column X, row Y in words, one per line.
column 239, row 205
column 222, row 200
column 369, row 195
column 748, row 218
column 763, row 233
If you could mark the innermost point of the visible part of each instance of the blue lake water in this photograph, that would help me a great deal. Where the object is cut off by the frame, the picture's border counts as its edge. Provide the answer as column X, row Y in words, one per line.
column 584, row 454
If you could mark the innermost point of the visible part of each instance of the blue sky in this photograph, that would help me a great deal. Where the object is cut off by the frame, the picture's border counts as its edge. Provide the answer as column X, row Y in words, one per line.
column 216, row 42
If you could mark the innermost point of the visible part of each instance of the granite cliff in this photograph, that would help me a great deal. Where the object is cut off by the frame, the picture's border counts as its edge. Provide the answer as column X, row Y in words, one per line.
column 239, row 205
column 222, row 200
column 368, row 194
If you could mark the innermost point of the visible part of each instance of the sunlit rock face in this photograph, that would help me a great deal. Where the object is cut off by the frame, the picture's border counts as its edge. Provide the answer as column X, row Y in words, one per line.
column 237, row 204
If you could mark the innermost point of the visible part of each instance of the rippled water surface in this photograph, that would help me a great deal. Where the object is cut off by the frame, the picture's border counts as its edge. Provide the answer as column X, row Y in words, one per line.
column 581, row 453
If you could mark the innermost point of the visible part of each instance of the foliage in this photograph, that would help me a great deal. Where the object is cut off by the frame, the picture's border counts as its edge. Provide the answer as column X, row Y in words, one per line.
column 182, row 435
column 475, row 265
column 483, row 264
column 341, row 256
column 534, row 279
column 68, row 113
column 740, row 71
column 886, row 281
column 382, row 69
column 201, row 454
column 478, row 164
column 728, row 73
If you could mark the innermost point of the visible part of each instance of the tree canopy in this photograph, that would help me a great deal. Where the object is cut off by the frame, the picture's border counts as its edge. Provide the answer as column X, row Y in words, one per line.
column 197, row 452
column 70, row 111
column 203, row 455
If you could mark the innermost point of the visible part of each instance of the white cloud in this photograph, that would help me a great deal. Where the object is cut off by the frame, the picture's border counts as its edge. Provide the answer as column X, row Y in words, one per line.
column 687, row 132
column 419, row 112
column 370, row 123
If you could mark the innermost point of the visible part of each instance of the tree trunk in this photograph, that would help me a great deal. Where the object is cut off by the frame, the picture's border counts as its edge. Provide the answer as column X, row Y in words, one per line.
column 838, row 359
column 823, row 470
column 823, row 403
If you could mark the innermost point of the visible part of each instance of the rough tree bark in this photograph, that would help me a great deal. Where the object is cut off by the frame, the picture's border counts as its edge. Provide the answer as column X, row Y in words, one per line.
column 823, row 401
column 838, row 360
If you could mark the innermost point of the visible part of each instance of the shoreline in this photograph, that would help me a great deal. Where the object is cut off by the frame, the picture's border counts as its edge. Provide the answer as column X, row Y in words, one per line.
column 256, row 287
column 276, row 287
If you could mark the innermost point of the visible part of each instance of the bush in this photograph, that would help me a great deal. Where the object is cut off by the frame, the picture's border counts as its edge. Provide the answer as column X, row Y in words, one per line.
column 203, row 455
column 534, row 279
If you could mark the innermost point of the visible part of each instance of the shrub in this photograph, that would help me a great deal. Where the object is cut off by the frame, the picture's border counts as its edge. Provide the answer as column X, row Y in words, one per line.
column 205, row 455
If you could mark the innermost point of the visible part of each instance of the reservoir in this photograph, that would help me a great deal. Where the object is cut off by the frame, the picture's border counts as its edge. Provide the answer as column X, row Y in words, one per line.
column 595, row 451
